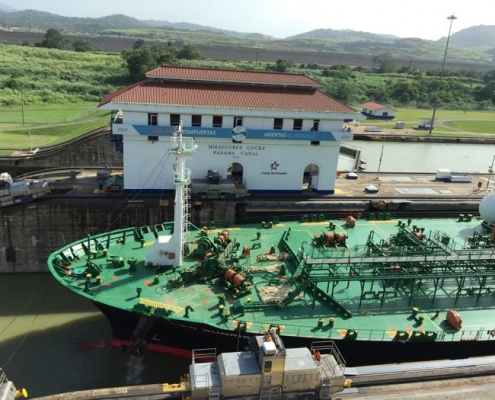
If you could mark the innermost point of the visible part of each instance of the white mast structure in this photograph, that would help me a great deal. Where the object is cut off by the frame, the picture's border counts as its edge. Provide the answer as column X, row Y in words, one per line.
column 168, row 250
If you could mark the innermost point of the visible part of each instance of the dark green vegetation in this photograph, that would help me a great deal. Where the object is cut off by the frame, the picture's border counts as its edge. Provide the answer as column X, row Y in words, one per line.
column 141, row 59
column 41, row 75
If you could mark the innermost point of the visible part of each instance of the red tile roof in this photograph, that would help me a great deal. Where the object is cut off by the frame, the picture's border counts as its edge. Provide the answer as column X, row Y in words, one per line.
column 373, row 106
column 233, row 76
column 173, row 93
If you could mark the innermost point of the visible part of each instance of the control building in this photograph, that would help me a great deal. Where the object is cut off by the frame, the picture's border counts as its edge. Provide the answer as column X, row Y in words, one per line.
column 271, row 132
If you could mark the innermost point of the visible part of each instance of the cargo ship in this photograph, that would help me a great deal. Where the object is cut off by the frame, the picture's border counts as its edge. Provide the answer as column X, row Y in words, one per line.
column 385, row 290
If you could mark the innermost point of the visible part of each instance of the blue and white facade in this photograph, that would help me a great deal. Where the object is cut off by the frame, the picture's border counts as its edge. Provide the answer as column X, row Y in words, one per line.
column 270, row 150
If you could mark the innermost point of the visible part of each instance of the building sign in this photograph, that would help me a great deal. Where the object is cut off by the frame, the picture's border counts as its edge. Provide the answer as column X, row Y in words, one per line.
column 238, row 134
column 236, row 150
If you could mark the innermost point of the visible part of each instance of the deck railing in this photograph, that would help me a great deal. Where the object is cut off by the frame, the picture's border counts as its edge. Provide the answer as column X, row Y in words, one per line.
column 326, row 332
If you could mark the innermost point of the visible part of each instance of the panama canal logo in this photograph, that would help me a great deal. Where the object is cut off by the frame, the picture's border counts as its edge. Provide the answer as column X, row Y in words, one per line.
column 239, row 134
column 274, row 170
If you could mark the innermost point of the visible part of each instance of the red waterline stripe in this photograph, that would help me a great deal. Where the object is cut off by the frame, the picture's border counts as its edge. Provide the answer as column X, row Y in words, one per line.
column 160, row 348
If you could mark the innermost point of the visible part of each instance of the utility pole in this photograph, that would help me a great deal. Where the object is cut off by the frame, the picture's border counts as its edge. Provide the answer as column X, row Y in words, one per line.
column 451, row 18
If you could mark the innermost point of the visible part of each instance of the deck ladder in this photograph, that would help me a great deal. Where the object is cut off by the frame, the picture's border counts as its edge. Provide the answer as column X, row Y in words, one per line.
column 186, row 195
column 214, row 393
column 325, row 388
column 265, row 393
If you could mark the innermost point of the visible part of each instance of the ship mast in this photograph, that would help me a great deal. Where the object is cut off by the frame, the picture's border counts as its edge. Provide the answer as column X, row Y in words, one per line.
column 168, row 250
column 182, row 148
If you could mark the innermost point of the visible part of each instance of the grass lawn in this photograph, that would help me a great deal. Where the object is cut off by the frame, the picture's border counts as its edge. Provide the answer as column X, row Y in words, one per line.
column 447, row 122
column 48, row 125
column 44, row 114
column 474, row 126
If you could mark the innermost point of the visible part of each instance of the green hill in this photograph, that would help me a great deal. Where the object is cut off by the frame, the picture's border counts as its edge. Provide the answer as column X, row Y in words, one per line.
column 475, row 44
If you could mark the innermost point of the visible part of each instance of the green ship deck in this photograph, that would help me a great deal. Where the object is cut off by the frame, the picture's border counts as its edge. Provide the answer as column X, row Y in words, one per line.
column 381, row 280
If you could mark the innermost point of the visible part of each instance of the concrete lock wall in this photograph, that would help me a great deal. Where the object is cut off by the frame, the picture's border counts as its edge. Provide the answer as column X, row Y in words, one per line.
column 94, row 150
column 29, row 233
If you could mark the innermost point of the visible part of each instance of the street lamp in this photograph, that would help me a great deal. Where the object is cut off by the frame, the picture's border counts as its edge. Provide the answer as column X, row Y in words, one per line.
column 451, row 18
column 379, row 165
column 490, row 172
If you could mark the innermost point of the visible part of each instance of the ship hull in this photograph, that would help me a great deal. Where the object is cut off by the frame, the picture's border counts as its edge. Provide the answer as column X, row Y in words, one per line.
column 181, row 337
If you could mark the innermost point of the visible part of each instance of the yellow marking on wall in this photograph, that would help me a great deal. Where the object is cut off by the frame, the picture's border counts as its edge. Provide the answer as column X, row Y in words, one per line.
column 173, row 387
column 338, row 191
column 248, row 324
column 156, row 304
column 393, row 334
column 268, row 326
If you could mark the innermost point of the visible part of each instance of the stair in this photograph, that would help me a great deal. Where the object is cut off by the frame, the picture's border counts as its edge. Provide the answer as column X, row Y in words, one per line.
column 186, row 193
column 265, row 393
column 325, row 389
column 214, row 393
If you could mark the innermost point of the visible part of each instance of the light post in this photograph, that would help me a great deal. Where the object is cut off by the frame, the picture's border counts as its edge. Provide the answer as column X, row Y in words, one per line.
column 379, row 165
column 451, row 18
column 490, row 172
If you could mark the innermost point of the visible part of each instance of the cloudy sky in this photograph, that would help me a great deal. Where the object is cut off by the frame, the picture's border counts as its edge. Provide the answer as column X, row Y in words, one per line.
column 425, row 19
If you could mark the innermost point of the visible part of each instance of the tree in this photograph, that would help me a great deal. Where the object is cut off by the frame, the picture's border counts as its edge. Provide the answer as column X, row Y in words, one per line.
column 164, row 54
column 189, row 52
column 486, row 92
column 281, row 65
column 378, row 92
column 54, row 40
column 404, row 91
column 384, row 63
column 489, row 76
column 138, row 62
column 346, row 91
column 141, row 59
column 82, row 45
column 138, row 44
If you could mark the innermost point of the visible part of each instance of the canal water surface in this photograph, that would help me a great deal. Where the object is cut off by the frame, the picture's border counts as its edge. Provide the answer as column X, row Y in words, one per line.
column 418, row 157
column 52, row 341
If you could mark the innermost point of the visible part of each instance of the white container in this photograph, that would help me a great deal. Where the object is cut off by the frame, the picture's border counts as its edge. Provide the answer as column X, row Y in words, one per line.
column 443, row 174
